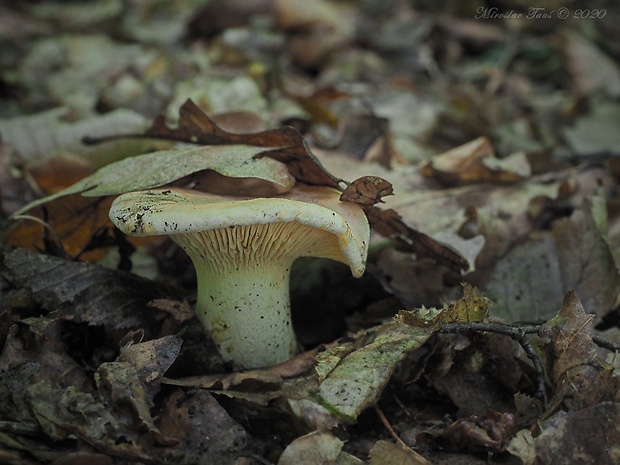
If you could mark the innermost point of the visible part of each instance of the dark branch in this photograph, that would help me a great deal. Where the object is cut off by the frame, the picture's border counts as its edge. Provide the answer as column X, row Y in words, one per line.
column 515, row 333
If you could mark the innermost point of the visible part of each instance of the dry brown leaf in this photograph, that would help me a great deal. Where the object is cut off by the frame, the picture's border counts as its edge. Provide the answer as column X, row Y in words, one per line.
column 71, row 226
column 367, row 191
column 289, row 147
column 389, row 224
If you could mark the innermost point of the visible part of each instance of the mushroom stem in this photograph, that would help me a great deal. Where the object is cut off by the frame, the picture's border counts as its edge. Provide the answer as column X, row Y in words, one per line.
column 245, row 307
column 258, row 331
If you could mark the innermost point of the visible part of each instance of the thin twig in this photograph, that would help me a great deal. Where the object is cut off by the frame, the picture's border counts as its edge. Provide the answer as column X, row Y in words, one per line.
column 387, row 425
column 397, row 438
column 515, row 333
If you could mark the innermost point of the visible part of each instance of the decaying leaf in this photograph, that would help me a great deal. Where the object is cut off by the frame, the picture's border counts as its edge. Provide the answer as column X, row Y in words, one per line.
column 572, row 344
column 270, row 376
column 590, row 435
column 85, row 292
column 119, row 384
column 580, row 380
column 74, row 226
column 590, row 68
column 595, row 133
column 316, row 448
column 530, row 281
column 151, row 359
column 357, row 381
column 285, row 143
column 203, row 430
column 65, row 412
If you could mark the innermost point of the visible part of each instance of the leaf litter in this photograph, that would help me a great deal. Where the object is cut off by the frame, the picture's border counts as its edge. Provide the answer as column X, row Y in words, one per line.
column 499, row 173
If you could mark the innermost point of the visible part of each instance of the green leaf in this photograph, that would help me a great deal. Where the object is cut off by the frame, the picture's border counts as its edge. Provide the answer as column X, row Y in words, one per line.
column 159, row 168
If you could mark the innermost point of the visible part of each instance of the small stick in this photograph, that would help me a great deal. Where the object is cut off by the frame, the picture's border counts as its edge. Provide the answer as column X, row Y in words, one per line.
column 605, row 344
column 397, row 438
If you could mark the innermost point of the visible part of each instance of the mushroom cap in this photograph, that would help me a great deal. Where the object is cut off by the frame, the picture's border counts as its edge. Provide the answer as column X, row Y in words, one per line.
column 170, row 211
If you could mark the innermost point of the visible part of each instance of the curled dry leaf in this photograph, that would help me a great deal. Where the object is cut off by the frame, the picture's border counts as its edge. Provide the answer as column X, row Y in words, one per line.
column 367, row 190
column 475, row 162
column 472, row 307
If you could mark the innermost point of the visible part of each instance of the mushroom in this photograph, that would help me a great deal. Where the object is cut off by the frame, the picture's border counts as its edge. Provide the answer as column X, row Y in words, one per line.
column 243, row 249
